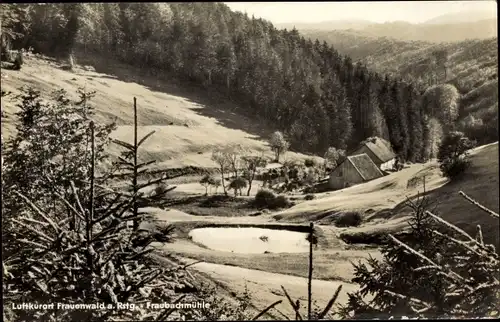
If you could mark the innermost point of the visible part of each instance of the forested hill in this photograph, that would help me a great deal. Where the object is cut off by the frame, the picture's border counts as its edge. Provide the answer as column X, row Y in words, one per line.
column 318, row 97
column 470, row 66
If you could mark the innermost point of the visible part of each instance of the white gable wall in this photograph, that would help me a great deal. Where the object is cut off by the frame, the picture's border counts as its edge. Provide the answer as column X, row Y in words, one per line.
column 388, row 165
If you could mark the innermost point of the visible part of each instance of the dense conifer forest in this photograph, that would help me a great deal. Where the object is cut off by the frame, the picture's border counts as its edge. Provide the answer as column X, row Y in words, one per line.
column 316, row 96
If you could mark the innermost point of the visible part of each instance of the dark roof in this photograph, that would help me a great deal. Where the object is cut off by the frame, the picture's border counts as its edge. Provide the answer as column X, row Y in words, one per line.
column 365, row 166
column 380, row 147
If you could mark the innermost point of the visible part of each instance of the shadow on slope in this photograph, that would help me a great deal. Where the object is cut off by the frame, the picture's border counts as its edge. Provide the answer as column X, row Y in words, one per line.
column 479, row 182
column 204, row 102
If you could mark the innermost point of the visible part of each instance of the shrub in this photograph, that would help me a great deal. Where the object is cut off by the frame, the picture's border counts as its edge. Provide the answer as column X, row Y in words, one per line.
column 453, row 168
column 349, row 219
column 309, row 197
column 215, row 201
column 267, row 199
column 13, row 58
column 333, row 157
column 207, row 181
column 160, row 189
column 18, row 60
column 453, row 156
column 237, row 184
column 311, row 176
column 264, row 198
column 309, row 163
column 310, row 189
column 281, row 202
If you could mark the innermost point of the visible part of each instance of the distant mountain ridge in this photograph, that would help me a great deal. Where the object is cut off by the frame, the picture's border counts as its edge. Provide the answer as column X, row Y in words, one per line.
column 453, row 32
column 328, row 25
column 432, row 31
column 463, row 17
column 471, row 68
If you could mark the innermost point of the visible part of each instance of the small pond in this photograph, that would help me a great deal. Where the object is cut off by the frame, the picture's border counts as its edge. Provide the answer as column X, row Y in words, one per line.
column 251, row 240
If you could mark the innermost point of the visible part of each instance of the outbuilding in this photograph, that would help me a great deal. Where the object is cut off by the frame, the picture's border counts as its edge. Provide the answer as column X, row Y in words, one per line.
column 353, row 170
column 379, row 150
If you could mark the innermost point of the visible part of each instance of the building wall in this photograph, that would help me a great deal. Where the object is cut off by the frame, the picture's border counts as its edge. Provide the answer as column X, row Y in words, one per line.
column 372, row 156
column 388, row 165
column 343, row 176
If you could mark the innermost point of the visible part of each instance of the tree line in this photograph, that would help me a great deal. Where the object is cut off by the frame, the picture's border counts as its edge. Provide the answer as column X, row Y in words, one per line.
column 315, row 96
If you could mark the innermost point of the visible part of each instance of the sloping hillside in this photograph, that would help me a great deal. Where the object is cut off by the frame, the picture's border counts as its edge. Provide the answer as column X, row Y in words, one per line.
column 298, row 86
column 188, row 123
column 480, row 182
column 385, row 197
column 360, row 46
column 471, row 67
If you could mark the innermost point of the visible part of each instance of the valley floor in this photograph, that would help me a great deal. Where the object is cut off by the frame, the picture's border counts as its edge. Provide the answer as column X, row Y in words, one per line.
column 382, row 203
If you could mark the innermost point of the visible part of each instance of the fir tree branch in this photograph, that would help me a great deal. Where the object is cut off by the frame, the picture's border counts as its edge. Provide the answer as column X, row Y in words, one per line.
column 451, row 274
column 458, row 242
column 447, row 224
column 483, row 208
column 292, row 304
column 38, row 211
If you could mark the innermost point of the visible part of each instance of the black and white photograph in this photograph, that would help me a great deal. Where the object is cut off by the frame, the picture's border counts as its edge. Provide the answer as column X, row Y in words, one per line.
column 238, row 161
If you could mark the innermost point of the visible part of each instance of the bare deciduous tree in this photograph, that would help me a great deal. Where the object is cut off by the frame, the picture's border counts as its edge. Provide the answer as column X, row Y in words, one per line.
column 251, row 164
column 219, row 156
column 233, row 153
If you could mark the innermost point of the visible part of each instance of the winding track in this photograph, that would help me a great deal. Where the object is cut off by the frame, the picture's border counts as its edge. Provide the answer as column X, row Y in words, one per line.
column 265, row 287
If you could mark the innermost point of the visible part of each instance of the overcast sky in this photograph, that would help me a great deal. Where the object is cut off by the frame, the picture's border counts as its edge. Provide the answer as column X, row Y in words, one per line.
column 383, row 11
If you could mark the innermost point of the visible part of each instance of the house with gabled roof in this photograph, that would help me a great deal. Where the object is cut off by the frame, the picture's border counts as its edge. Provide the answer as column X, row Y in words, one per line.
column 354, row 170
column 379, row 150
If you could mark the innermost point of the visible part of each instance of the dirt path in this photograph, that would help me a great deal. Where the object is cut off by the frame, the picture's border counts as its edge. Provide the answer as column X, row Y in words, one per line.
column 265, row 288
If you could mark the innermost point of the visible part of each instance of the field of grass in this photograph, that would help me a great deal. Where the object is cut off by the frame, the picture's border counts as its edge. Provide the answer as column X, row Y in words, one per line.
column 218, row 205
column 383, row 200
column 480, row 182
column 369, row 198
column 329, row 264
column 189, row 122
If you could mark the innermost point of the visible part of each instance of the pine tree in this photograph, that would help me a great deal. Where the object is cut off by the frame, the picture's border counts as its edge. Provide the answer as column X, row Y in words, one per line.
column 428, row 272
column 338, row 108
column 377, row 125
column 416, row 131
